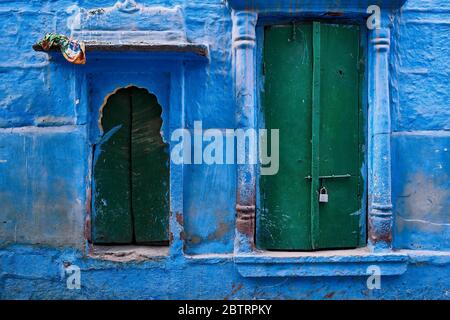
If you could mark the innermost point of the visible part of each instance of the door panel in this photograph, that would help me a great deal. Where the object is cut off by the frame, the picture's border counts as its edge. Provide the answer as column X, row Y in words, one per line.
column 112, row 221
column 311, row 93
column 284, row 221
column 131, row 172
column 339, row 100
column 149, row 170
column 339, row 136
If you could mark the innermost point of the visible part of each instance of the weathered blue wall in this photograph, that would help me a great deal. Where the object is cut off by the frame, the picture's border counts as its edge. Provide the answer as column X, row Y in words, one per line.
column 47, row 126
column 421, row 125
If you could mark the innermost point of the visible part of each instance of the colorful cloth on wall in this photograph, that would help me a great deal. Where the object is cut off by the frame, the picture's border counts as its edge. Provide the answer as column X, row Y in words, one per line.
column 72, row 50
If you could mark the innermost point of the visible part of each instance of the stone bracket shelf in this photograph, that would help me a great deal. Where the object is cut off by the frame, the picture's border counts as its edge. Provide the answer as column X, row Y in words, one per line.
column 128, row 27
column 193, row 50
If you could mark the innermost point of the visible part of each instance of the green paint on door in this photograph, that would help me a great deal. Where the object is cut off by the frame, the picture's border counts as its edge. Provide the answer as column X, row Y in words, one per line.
column 112, row 194
column 312, row 91
column 131, row 175
column 149, row 170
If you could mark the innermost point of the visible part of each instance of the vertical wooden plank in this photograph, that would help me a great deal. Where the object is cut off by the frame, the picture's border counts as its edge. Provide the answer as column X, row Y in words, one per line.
column 284, row 222
column 315, row 141
column 112, row 220
column 340, row 132
column 149, row 170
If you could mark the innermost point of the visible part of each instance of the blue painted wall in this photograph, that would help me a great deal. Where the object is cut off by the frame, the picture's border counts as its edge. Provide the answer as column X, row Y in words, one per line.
column 48, row 123
column 421, row 123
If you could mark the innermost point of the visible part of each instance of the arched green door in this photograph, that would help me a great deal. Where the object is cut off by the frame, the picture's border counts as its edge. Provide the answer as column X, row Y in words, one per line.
column 131, row 172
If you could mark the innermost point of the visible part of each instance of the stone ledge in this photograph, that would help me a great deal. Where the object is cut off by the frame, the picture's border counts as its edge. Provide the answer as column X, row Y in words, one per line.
column 318, row 264
column 336, row 7
column 197, row 50
column 334, row 263
column 128, row 253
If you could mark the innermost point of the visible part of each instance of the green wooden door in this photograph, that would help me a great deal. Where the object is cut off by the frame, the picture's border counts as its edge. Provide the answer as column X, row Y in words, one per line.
column 312, row 95
column 112, row 220
column 149, row 170
column 131, row 176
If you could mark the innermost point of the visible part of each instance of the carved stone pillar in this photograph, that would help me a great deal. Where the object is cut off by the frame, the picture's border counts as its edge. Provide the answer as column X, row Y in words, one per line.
column 380, row 203
column 244, row 47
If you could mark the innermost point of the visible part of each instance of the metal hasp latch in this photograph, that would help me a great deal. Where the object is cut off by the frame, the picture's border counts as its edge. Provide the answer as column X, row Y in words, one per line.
column 323, row 192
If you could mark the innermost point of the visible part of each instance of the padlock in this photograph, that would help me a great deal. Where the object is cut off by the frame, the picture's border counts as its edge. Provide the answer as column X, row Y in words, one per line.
column 323, row 195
